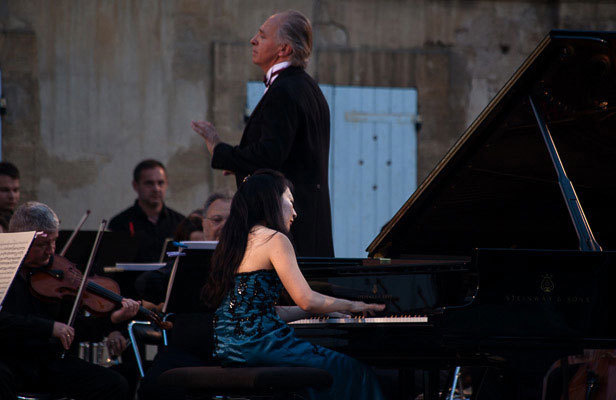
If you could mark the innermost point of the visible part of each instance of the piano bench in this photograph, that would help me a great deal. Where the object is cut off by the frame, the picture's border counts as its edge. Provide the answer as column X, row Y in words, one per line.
column 246, row 381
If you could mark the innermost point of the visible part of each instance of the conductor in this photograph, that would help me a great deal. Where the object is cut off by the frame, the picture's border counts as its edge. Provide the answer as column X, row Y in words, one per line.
column 288, row 130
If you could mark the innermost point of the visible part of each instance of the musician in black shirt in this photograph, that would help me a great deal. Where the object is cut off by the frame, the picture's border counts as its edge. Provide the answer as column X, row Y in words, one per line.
column 9, row 193
column 148, row 220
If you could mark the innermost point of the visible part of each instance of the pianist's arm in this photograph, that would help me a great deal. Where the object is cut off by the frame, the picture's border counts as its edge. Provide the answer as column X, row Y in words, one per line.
column 282, row 257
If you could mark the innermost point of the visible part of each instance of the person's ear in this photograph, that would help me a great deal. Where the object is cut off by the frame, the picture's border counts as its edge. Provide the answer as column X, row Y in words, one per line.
column 135, row 186
column 285, row 50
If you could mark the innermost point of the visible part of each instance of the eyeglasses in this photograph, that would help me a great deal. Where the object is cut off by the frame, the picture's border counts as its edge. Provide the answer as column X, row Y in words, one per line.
column 217, row 219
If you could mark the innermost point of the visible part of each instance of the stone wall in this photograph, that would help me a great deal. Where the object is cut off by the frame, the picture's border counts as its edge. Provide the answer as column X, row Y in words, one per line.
column 93, row 87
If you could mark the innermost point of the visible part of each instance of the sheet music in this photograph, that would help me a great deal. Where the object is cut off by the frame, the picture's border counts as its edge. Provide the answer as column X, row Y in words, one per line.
column 13, row 249
column 138, row 266
column 201, row 245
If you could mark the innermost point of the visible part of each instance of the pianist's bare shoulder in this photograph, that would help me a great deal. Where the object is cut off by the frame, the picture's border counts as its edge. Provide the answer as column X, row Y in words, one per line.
column 263, row 243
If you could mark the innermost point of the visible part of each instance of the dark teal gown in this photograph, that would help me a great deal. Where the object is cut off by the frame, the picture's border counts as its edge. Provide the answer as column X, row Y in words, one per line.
column 248, row 331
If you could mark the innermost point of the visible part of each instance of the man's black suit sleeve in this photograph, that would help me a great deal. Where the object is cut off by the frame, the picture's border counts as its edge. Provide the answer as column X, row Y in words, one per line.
column 275, row 125
column 14, row 327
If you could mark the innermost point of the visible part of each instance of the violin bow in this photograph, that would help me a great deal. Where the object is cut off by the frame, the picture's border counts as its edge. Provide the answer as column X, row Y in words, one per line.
column 77, row 229
column 79, row 296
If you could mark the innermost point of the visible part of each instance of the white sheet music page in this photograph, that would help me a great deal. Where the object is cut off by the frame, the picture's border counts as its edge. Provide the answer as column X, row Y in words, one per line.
column 13, row 249
column 201, row 245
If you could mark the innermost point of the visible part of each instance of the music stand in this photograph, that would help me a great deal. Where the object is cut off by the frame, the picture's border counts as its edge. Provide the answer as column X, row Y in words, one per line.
column 114, row 247
column 191, row 275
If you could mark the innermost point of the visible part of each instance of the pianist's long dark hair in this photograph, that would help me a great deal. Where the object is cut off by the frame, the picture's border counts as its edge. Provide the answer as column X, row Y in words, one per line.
column 256, row 202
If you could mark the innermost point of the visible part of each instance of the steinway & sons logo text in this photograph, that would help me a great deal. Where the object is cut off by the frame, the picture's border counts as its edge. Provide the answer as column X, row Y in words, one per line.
column 546, row 295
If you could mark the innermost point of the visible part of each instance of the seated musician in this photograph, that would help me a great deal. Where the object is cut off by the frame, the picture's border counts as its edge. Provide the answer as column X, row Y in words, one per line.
column 191, row 229
column 193, row 345
column 9, row 193
column 253, row 261
column 217, row 208
column 149, row 220
column 34, row 358
column 152, row 286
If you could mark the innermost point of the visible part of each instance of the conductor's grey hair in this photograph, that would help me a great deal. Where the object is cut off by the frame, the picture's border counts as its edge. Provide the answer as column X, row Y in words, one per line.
column 296, row 31
column 34, row 216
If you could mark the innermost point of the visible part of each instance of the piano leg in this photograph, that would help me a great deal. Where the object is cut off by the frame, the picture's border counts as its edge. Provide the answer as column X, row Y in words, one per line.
column 406, row 383
column 431, row 384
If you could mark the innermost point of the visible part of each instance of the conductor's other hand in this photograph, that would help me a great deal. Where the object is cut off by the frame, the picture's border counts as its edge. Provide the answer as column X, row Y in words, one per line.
column 365, row 308
column 129, row 309
column 208, row 132
column 65, row 333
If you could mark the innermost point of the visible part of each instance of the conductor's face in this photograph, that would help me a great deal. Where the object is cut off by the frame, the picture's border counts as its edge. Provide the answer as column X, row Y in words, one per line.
column 266, row 48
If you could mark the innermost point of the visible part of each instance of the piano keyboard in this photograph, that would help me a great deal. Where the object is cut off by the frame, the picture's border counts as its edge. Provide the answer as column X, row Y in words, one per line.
column 402, row 319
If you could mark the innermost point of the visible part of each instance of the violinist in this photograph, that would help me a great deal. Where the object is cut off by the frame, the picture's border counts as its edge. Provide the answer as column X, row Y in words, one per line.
column 34, row 359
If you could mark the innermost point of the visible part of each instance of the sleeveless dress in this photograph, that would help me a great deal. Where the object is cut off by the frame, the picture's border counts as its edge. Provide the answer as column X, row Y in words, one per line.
column 248, row 331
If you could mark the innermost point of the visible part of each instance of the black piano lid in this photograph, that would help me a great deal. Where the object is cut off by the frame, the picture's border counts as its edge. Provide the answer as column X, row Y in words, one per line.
column 497, row 188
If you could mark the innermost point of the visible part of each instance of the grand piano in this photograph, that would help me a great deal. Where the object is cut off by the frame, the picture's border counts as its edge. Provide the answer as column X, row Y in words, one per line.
column 503, row 255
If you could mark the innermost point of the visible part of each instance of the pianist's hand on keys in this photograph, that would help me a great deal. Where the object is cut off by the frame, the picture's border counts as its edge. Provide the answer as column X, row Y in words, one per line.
column 365, row 308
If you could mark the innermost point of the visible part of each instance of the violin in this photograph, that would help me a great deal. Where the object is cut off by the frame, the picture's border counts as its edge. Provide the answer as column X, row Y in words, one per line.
column 62, row 279
column 594, row 380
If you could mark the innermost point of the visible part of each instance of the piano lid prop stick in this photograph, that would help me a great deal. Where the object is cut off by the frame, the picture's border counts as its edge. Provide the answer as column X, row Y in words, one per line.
column 586, row 239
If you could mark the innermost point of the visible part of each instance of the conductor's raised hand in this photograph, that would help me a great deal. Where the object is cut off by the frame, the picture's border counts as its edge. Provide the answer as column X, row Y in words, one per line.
column 208, row 132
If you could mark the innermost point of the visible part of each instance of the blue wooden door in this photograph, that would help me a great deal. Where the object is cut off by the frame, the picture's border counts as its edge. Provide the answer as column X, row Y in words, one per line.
column 373, row 158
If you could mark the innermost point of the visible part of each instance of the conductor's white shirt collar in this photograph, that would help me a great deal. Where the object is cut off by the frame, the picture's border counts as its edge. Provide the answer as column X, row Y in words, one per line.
column 272, row 73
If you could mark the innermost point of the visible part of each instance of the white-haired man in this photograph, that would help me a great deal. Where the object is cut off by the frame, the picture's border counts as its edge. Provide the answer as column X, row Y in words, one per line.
column 31, row 356
column 288, row 131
